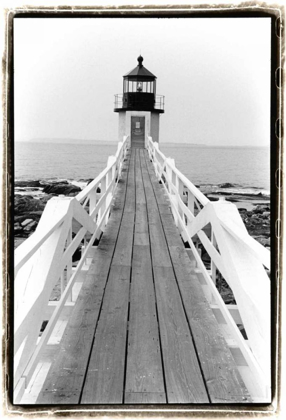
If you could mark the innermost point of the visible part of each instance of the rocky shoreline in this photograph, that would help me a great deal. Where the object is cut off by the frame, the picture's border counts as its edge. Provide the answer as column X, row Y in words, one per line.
column 31, row 198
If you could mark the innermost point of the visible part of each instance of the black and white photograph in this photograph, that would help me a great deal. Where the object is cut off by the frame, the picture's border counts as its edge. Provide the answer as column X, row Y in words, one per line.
column 142, row 210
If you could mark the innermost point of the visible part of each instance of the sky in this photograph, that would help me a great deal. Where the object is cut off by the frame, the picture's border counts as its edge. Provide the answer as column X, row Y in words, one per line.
column 213, row 72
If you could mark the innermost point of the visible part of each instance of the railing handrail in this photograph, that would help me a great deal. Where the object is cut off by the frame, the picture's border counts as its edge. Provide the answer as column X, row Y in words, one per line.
column 232, row 229
column 32, row 244
column 26, row 249
column 156, row 94
column 187, row 183
column 240, row 259
column 158, row 104
column 44, row 257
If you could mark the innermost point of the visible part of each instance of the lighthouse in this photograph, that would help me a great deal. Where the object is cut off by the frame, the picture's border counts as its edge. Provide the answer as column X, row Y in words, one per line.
column 139, row 107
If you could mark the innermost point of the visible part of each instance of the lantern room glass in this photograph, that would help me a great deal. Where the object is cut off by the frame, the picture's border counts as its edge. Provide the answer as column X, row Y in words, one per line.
column 133, row 86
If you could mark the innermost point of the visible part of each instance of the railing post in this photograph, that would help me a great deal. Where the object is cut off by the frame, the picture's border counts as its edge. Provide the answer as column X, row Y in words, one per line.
column 110, row 179
column 62, row 282
column 66, row 273
column 172, row 181
column 213, row 266
column 181, row 194
column 103, row 191
column 92, row 200
column 169, row 163
column 191, row 203
column 69, row 265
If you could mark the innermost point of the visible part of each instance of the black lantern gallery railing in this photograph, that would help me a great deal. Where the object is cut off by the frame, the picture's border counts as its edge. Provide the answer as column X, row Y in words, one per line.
column 139, row 102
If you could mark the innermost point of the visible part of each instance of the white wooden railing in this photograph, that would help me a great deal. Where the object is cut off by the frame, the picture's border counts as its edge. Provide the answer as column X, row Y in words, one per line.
column 45, row 258
column 241, row 260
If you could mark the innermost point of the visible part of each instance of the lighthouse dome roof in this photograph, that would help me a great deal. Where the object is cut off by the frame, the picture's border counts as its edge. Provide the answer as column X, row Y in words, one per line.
column 140, row 71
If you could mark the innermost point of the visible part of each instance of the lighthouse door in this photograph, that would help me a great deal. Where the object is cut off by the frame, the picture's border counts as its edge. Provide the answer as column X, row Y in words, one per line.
column 138, row 132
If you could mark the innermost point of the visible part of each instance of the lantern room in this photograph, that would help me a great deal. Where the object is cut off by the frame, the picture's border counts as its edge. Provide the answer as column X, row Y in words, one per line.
column 139, row 107
column 139, row 91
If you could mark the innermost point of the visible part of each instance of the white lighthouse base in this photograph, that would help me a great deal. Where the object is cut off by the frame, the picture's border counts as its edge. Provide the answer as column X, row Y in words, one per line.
column 151, row 124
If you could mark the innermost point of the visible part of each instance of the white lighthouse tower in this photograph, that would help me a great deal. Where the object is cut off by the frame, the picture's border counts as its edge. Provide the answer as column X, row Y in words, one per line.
column 139, row 107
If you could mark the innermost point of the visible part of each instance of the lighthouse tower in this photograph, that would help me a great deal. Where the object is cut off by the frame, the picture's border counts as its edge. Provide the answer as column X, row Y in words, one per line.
column 139, row 107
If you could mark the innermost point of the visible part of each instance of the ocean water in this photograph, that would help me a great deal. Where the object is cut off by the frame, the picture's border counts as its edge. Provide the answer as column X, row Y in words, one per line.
column 248, row 169
column 35, row 160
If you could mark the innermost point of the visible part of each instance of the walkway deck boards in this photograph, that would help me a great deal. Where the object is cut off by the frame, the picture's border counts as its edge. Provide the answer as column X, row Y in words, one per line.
column 141, row 331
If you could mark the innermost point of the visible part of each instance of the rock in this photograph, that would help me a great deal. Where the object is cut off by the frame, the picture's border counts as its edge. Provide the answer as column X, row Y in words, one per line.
column 226, row 185
column 24, row 184
column 36, row 214
column 255, row 221
column 88, row 181
column 61, row 188
column 266, row 214
column 262, row 208
column 73, row 194
column 19, row 219
column 212, row 198
column 224, row 193
column 26, row 204
column 231, row 199
column 26, row 222
column 46, row 198
column 262, row 240
column 31, row 226
column 60, row 182
column 18, row 241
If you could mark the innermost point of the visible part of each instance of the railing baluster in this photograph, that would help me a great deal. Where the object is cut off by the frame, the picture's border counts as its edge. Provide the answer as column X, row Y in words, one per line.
column 92, row 200
column 213, row 266
column 62, row 280
column 180, row 191
column 69, row 265
column 191, row 204
column 55, row 228
column 103, row 191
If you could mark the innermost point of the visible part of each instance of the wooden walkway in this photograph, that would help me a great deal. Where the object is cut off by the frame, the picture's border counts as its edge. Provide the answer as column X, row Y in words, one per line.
column 141, row 330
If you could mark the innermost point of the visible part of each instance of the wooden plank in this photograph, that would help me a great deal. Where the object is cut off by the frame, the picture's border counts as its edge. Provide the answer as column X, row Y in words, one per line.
column 159, row 249
column 144, row 365
column 145, row 398
column 221, row 376
column 34, row 387
column 130, row 192
column 141, row 236
column 140, row 194
column 105, row 375
column 182, row 372
column 168, row 224
column 65, row 378
column 183, row 376
column 123, row 250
